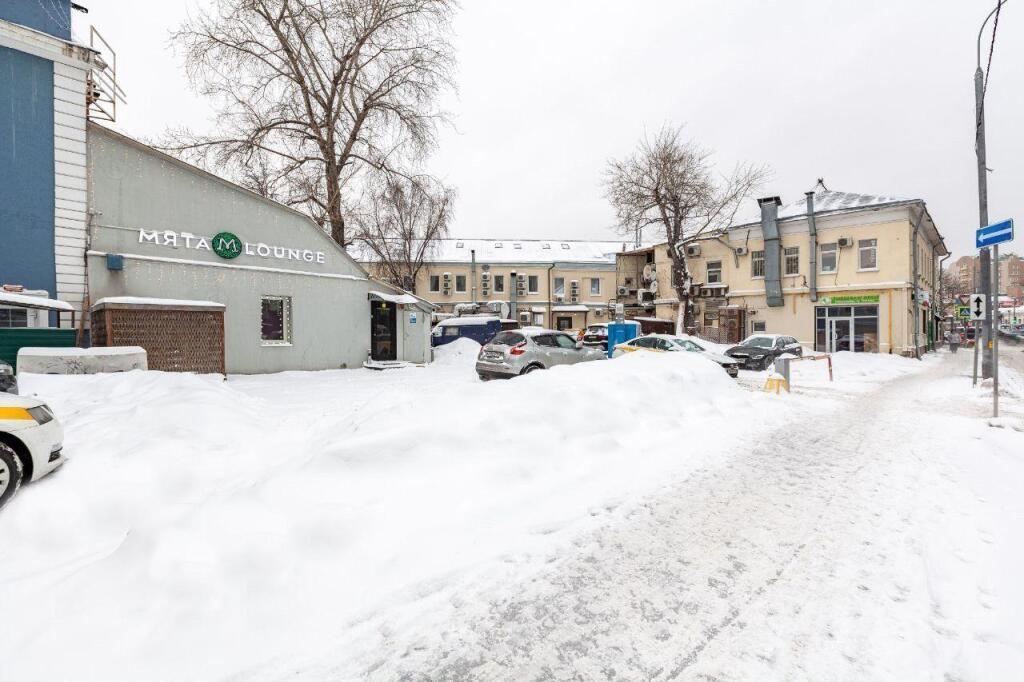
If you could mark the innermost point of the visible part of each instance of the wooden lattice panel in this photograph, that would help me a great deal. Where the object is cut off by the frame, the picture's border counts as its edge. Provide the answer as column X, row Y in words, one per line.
column 175, row 340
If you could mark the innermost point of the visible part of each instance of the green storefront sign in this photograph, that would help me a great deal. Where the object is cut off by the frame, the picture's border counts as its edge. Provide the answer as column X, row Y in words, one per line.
column 227, row 245
column 849, row 300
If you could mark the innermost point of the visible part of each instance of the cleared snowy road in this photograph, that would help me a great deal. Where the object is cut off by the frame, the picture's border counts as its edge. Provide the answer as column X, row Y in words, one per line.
column 847, row 547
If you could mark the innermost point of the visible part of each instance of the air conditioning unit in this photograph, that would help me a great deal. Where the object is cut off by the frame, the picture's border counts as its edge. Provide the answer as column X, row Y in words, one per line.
column 559, row 298
column 524, row 317
column 520, row 278
column 694, row 290
column 484, row 291
column 447, row 290
column 650, row 272
column 574, row 299
column 599, row 312
column 621, row 291
column 845, row 242
column 575, row 284
column 693, row 251
column 742, row 251
column 485, row 276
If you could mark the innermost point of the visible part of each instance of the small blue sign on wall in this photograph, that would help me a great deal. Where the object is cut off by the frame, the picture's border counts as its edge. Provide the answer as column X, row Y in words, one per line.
column 995, row 234
column 412, row 318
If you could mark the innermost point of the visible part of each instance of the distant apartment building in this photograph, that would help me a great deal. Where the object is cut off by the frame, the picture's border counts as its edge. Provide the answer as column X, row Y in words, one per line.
column 562, row 284
column 850, row 272
column 1011, row 274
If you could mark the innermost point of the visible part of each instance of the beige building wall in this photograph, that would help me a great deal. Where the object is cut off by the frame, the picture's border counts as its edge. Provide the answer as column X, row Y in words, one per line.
column 890, row 280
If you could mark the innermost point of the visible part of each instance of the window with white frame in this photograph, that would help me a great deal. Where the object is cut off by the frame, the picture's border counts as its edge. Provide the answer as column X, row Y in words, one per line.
column 757, row 263
column 559, row 286
column 759, row 326
column 460, row 283
column 792, row 254
column 714, row 272
column 533, row 284
column 595, row 286
column 499, row 284
column 868, row 254
column 829, row 257
column 276, row 320
column 435, row 283
column 538, row 319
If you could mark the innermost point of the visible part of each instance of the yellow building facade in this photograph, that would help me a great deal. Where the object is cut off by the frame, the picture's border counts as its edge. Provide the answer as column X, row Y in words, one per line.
column 875, row 274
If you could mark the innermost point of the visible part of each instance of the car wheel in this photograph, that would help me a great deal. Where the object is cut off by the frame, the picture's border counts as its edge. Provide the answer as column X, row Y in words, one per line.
column 531, row 368
column 10, row 474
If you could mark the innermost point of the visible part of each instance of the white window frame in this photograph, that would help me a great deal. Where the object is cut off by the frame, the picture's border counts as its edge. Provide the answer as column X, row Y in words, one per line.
column 464, row 283
column 286, row 330
column 538, row 319
column 559, row 284
column 533, row 284
column 785, row 260
column 595, row 291
column 758, row 327
column 834, row 250
column 860, row 255
column 717, row 270
column 431, row 279
column 754, row 259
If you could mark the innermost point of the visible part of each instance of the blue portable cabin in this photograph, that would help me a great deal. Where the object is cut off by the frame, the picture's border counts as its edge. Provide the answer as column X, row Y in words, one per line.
column 480, row 328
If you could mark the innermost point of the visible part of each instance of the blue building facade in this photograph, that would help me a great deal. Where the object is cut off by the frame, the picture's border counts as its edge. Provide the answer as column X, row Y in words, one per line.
column 27, row 201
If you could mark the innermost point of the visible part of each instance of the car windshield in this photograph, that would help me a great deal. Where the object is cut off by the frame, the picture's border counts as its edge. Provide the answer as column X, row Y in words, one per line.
column 687, row 345
column 507, row 339
column 759, row 341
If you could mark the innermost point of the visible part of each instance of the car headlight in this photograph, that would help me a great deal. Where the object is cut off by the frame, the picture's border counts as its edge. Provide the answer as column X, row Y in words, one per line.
column 41, row 414
column 6, row 369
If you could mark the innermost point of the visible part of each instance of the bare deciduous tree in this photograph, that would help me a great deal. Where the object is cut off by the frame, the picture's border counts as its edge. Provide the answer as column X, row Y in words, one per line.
column 312, row 95
column 402, row 220
column 669, row 182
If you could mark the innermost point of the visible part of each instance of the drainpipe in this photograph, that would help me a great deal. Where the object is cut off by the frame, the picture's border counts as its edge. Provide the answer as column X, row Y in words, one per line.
column 772, row 251
column 942, row 293
column 917, row 299
column 551, row 295
column 812, row 229
column 472, row 275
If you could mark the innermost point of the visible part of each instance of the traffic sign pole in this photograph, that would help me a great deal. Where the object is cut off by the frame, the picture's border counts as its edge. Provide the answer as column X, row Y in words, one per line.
column 995, row 332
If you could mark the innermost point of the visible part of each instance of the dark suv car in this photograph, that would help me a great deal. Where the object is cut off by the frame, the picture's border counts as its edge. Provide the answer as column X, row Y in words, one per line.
column 757, row 351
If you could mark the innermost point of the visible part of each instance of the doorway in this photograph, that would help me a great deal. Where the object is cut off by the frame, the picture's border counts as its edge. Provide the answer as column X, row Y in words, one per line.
column 838, row 334
column 563, row 323
column 383, row 331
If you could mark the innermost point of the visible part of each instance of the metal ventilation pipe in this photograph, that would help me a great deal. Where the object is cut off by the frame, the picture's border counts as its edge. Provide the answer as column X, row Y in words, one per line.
column 472, row 274
column 812, row 229
column 772, row 251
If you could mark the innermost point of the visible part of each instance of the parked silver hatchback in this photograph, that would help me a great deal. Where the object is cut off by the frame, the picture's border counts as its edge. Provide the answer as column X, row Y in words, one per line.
column 522, row 351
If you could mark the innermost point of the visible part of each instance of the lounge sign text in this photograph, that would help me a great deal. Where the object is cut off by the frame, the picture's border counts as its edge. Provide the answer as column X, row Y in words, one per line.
column 227, row 246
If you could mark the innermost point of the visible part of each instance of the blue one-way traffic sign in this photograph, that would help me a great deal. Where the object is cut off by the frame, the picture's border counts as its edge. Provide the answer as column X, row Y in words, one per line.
column 995, row 234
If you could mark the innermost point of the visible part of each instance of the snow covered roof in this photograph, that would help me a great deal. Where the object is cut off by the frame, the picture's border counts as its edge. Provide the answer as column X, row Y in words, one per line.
column 165, row 302
column 407, row 299
column 468, row 320
column 512, row 251
column 570, row 308
column 30, row 301
column 825, row 202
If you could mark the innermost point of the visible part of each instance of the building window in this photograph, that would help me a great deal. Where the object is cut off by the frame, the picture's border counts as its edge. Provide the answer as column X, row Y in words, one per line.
column 868, row 249
column 559, row 286
column 759, row 326
column 435, row 283
column 565, row 246
column 792, row 254
column 595, row 286
column 499, row 284
column 13, row 317
column 460, row 283
column 757, row 263
column 829, row 257
column 714, row 272
column 276, row 320
column 533, row 284
column 538, row 319
column 710, row 318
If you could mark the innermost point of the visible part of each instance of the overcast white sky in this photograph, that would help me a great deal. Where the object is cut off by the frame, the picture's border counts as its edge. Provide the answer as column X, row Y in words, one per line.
column 875, row 96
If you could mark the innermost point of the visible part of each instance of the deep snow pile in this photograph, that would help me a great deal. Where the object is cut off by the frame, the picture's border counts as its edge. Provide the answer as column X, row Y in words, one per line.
column 461, row 351
column 205, row 528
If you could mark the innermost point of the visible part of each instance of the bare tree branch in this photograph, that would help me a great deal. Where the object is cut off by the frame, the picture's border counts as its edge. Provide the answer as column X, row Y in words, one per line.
column 669, row 182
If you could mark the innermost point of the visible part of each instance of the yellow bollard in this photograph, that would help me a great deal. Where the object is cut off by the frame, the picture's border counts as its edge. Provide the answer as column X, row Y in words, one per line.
column 776, row 382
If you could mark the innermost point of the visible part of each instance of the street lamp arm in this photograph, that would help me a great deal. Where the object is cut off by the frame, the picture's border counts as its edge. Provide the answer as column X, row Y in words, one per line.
column 982, row 29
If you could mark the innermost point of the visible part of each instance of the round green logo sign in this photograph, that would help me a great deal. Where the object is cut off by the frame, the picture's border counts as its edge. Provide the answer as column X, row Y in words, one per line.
column 227, row 245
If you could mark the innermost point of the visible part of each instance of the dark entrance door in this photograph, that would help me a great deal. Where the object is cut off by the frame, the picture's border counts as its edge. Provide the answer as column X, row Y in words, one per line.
column 383, row 334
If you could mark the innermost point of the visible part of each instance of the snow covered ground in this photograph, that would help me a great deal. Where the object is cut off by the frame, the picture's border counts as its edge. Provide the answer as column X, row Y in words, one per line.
column 647, row 516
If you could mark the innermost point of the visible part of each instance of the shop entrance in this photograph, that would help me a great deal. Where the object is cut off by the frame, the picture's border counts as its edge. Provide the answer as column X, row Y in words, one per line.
column 383, row 331
column 844, row 327
column 563, row 323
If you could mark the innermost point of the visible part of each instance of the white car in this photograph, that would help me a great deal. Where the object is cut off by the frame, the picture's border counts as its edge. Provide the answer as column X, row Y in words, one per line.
column 662, row 343
column 31, row 442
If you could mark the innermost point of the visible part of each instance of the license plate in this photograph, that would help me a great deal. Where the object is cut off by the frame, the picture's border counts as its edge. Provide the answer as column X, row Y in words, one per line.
column 494, row 356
